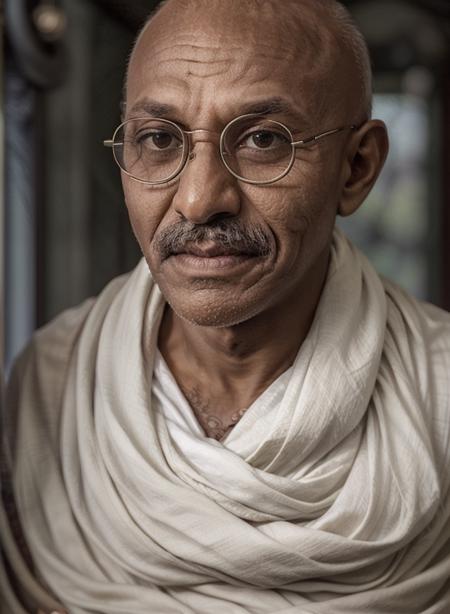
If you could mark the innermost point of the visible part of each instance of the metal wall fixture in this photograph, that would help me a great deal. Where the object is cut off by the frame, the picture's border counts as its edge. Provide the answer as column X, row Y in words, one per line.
column 35, row 35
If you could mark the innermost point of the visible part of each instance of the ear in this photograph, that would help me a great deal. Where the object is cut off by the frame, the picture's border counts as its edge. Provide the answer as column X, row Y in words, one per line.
column 365, row 157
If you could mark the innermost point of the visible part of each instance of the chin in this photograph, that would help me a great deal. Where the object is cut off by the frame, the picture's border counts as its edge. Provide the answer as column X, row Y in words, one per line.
column 214, row 315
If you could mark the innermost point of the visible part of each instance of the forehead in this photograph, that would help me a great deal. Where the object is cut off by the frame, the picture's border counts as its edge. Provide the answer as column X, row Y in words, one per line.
column 232, row 56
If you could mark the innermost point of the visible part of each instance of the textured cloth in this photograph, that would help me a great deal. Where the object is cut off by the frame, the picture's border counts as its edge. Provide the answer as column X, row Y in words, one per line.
column 335, row 498
column 183, row 426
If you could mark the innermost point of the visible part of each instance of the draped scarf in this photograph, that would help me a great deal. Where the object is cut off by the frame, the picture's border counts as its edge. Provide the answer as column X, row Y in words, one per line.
column 334, row 499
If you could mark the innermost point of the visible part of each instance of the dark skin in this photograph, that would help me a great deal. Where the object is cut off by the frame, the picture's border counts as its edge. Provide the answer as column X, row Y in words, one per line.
column 232, row 327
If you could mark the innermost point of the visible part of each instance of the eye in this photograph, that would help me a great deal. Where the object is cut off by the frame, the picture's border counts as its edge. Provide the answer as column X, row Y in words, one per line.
column 263, row 139
column 158, row 140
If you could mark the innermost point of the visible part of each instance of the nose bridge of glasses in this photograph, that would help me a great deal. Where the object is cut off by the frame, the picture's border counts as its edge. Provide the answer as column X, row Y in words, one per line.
column 202, row 135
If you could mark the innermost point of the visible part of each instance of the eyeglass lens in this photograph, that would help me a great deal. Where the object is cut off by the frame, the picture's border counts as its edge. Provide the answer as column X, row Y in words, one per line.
column 150, row 150
column 253, row 148
column 257, row 149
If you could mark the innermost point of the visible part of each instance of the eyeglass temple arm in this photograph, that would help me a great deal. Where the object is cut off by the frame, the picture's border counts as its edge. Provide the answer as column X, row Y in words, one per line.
column 110, row 143
column 322, row 135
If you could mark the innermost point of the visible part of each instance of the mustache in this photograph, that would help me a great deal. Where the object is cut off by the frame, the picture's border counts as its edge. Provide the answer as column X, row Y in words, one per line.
column 230, row 234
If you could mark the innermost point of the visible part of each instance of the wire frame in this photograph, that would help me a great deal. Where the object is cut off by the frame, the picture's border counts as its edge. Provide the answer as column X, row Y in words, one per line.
column 188, row 154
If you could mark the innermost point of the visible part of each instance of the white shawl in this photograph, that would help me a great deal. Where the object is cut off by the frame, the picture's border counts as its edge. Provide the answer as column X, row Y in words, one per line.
column 337, row 501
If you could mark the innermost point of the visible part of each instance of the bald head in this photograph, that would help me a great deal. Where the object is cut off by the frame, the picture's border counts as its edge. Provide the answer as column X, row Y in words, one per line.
column 322, row 31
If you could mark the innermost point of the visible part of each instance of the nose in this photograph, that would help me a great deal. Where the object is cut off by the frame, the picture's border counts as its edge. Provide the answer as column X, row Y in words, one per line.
column 206, row 190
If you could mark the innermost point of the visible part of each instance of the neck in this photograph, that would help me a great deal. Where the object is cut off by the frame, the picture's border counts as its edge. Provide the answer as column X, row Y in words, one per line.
column 250, row 353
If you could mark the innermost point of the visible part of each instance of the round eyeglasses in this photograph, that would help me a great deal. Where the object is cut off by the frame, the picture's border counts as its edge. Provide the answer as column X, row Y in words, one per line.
column 253, row 148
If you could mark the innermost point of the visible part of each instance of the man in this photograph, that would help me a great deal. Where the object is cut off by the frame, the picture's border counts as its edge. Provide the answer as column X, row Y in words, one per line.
column 262, row 424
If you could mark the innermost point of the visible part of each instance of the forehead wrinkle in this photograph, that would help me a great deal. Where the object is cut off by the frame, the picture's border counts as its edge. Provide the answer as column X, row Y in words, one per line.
column 238, row 62
column 186, row 51
column 187, row 58
column 238, row 59
column 190, row 52
column 199, row 68
column 299, row 38
column 218, row 20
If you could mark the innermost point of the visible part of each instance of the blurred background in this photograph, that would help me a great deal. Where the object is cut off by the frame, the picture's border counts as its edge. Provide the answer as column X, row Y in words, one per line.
column 64, row 225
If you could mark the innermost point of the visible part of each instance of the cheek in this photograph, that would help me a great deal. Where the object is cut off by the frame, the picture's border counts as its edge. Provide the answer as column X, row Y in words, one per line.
column 290, row 212
column 147, row 208
column 276, row 206
column 301, row 220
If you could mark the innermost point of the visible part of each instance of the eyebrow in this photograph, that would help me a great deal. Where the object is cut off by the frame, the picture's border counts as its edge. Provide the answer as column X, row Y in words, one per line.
column 153, row 108
column 269, row 106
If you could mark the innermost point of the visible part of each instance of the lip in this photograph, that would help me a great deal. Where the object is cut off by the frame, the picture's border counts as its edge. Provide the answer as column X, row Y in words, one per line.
column 203, row 264
column 220, row 265
column 209, row 259
column 209, row 250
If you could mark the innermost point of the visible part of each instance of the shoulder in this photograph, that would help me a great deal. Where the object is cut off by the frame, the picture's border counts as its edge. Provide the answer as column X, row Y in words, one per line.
column 417, row 343
column 38, row 376
column 425, row 323
column 51, row 345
